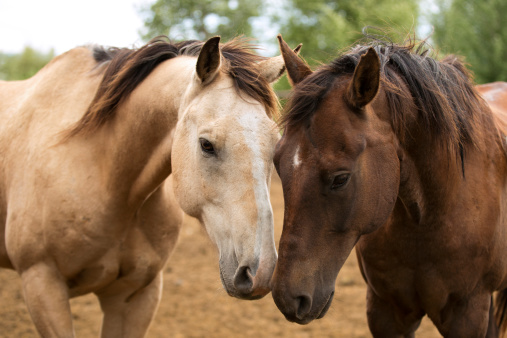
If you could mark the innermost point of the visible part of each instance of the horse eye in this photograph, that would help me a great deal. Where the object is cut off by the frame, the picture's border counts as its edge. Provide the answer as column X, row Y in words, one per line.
column 206, row 146
column 340, row 181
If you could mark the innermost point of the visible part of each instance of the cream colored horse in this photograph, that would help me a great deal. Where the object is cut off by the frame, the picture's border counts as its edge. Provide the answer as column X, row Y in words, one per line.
column 86, row 146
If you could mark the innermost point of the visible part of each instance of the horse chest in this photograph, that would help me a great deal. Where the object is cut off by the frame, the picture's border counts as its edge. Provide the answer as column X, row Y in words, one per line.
column 420, row 270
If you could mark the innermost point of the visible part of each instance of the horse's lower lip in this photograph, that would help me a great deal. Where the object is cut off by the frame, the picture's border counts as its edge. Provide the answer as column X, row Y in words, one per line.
column 326, row 307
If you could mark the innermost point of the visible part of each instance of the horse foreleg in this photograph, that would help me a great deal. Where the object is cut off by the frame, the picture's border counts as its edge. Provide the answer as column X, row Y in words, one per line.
column 127, row 315
column 464, row 317
column 384, row 320
column 46, row 296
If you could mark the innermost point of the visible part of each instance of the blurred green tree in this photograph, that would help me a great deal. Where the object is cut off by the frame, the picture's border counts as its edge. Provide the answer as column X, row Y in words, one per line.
column 476, row 30
column 327, row 26
column 323, row 26
column 200, row 19
column 24, row 65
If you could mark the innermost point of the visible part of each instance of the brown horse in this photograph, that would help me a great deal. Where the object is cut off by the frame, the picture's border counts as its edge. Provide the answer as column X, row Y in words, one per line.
column 86, row 146
column 395, row 153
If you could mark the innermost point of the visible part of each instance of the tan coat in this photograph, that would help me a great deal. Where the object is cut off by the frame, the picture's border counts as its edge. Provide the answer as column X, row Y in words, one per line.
column 94, row 212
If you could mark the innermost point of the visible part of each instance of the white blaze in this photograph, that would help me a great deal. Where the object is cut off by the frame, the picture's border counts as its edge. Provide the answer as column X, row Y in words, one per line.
column 251, row 124
column 297, row 160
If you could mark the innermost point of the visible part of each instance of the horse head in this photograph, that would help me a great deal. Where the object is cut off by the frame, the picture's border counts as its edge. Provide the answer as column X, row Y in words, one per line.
column 340, row 173
column 222, row 162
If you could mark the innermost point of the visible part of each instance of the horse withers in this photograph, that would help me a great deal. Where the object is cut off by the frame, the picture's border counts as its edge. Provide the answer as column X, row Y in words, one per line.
column 86, row 147
column 393, row 152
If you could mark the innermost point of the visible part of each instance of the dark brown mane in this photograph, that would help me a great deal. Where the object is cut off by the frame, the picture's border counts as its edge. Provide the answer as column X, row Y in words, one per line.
column 127, row 68
column 441, row 91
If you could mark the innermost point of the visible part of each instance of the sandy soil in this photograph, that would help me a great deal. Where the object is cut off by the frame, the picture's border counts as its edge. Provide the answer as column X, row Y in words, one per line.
column 195, row 305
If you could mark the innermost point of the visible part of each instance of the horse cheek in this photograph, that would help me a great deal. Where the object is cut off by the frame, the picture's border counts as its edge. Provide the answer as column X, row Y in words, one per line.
column 381, row 183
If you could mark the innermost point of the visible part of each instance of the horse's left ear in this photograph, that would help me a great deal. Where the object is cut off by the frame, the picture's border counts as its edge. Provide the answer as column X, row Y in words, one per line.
column 366, row 80
column 273, row 68
column 209, row 60
column 297, row 69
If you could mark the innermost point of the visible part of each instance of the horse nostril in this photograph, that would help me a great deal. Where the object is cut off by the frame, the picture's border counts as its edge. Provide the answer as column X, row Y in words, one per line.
column 243, row 280
column 304, row 305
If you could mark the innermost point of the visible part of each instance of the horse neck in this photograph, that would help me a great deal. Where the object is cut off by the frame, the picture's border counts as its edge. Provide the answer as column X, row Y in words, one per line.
column 433, row 178
column 138, row 142
column 427, row 179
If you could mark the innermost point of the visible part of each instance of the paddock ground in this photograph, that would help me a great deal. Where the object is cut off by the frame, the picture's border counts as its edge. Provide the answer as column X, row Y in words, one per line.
column 195, row 305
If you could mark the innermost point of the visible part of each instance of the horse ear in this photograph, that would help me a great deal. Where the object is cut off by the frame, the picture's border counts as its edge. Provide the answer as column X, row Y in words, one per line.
column 208, row 62
column 366, row 80
column 297, row 69
column 274, row 67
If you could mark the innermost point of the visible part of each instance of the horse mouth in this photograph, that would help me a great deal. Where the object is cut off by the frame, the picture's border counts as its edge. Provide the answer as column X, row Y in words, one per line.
column 326, row 307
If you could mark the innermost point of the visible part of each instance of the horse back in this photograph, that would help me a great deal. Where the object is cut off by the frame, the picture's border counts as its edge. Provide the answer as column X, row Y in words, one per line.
column 34, row 111
column 55, row 84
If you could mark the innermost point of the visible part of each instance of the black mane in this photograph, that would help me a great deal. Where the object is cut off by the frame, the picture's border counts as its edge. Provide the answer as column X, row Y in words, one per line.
column 441, row 91
column 127, row 68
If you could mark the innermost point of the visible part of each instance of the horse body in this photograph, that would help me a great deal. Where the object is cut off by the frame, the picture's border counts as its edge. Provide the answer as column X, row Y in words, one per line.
column 82, row 185
column 442, row 250
column 26, row 144
column 85, row 204
column 417, row 185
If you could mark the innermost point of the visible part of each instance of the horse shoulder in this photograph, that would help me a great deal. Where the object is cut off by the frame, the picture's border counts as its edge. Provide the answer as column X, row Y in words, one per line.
column 150, row 239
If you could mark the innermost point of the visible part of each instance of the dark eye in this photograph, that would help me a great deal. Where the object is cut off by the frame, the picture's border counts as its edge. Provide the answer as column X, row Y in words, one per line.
column 206, row 146
column 340, row 181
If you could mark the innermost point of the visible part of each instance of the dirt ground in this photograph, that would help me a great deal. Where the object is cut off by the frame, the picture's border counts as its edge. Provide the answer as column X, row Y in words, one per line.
column 194, row 303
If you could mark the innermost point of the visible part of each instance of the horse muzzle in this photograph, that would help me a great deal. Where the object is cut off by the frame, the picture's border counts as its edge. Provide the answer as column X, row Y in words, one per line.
column 302, row 308
column 245, row 285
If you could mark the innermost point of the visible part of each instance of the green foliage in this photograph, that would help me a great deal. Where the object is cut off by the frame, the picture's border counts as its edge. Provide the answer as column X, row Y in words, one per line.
column 476, row 30
column 323, row 26
column 24, row 65
column 327, row 26
column 200, row 19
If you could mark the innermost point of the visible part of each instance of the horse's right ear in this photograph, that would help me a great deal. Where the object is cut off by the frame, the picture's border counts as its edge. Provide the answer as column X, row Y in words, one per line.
column 297, row 69
column 209, row 60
